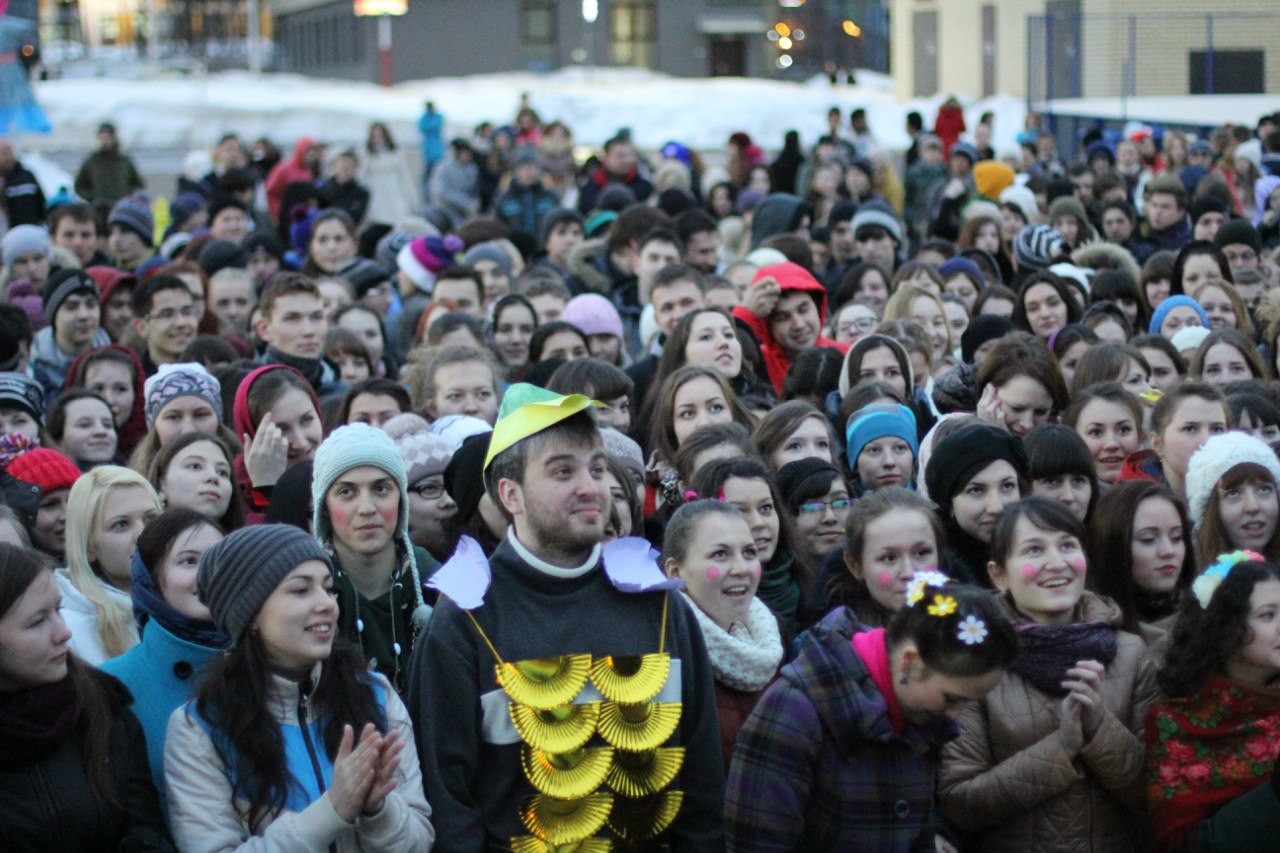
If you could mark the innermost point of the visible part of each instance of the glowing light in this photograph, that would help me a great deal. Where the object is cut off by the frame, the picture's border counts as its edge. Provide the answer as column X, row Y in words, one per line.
column 851, row 29
column 590, row 10
column 772, row 35
column 798, row 35
column 784, row 43
column 783, row 29
column 785, row 61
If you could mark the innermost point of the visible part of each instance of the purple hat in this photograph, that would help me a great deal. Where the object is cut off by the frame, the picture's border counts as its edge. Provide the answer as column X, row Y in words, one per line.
column 593, row 314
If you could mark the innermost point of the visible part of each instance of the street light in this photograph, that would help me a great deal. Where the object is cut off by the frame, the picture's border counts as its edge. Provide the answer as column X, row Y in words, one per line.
column 590, row 10
column 851, row 29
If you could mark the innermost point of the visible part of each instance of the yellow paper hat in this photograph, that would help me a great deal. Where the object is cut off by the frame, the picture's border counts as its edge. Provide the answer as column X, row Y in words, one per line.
column 528, row 410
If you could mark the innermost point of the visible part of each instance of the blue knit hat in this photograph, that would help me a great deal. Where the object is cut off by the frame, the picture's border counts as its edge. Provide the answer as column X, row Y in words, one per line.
column 880, row 420
column 352, row 446
column 1171, row 302
column 134, row 212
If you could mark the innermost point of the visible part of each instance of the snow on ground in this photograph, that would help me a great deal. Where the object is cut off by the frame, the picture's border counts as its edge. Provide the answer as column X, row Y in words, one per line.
column 192, row 112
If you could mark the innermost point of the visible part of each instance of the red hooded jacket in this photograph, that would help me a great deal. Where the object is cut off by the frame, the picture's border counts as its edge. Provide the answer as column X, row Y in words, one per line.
column 790, row 277
column 287, row 172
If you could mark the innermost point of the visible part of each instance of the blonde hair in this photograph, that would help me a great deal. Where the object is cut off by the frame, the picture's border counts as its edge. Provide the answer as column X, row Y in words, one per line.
column 899, row 308
column 116, row 629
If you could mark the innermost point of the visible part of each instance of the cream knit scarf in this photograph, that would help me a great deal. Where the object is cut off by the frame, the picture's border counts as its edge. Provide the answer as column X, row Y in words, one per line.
column 745, row 657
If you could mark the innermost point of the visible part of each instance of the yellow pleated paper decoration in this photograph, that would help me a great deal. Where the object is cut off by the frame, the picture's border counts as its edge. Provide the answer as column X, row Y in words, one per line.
column 639, row 774
column 565, row 821
column 630, row 678
column 529, row 844
column 639, row 820
column 637, row 728
column 560, row 729
column 544, row 682
column 567, row 775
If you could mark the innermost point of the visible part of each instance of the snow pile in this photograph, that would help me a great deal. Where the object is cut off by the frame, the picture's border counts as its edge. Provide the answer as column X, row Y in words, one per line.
column 192, row 112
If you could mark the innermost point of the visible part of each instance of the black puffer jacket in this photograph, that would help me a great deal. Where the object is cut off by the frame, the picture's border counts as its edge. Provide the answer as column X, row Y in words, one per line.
column 48, row 804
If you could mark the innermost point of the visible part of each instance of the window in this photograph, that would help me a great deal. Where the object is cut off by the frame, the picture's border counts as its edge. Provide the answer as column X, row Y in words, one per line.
column 539, row 33
column 633, row 33
column 1228, row 72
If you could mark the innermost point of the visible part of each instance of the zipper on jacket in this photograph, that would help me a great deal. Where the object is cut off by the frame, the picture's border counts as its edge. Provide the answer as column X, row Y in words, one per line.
column 304, row 703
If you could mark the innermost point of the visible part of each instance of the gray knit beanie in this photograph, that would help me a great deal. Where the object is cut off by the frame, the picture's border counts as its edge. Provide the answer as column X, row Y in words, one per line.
column 238, row 574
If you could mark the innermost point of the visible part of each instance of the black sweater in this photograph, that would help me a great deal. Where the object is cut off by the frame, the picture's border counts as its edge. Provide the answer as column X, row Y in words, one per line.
column 471, row 755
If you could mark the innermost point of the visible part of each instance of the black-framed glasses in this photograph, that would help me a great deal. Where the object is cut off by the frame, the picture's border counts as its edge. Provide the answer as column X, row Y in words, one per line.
column 428, row 490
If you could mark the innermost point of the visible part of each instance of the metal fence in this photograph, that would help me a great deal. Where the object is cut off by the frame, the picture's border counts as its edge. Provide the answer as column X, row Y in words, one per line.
column 1085, row 55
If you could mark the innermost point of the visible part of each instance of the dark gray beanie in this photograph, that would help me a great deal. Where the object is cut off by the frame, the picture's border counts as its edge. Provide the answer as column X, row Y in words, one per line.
column 238, row 574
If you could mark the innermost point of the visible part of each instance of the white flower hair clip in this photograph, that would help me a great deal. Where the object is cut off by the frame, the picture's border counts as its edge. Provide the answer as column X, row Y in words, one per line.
column 972, row 630
column 921, row 581
column 1207, row 584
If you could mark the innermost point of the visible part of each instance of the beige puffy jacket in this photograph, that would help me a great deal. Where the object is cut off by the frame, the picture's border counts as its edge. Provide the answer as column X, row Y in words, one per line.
column 1008, row 780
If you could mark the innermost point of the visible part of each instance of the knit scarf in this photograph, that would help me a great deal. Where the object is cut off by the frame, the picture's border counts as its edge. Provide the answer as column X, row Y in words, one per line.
column 1206, row 750
column 779, row 590
column 1048, row 651
column 745, row 657
column 149, row 603
column 311, row 368
column 36, row 721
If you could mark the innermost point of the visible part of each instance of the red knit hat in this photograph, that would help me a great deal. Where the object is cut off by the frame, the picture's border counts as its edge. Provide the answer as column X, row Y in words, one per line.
column 46, row 468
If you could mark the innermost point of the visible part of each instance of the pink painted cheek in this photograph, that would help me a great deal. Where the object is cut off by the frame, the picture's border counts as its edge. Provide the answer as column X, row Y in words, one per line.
column 1030, row 570
column 713, row 573
column 340, row 517
column 1078, row 565
column 757, row 570
column 886, row 580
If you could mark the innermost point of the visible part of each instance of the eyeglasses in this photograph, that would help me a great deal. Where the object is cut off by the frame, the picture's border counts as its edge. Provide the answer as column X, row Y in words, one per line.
column 838, row 506
column 164, row 315
column 429, row 490
column 862, row 324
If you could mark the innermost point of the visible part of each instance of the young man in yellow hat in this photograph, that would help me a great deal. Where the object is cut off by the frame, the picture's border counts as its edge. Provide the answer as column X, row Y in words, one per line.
column 563, row 692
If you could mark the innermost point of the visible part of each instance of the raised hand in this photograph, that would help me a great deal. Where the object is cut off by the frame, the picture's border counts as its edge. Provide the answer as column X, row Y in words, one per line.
column 266, row 455
column 1084, row 680
column 385, row 779
column 762, row 296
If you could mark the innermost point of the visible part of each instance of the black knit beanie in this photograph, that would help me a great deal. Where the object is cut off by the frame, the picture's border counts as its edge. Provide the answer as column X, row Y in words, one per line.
column 965, row 452
column 983, row 328
column 804, row 480
column 464, row 475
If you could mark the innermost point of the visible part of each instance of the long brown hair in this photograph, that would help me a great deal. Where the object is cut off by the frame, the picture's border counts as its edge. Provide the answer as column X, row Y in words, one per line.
column 95, row 708
column 662, row 434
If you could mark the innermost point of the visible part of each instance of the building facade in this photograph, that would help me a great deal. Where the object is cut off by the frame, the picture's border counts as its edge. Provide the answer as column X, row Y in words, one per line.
column 1046, row 49
column 444, row 38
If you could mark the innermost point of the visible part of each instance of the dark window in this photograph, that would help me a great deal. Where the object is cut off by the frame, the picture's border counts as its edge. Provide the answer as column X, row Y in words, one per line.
column 539, row 33
column 1227, row 72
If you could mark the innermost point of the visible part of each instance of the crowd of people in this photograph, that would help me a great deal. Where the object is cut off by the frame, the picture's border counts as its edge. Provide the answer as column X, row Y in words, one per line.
column 848, row 499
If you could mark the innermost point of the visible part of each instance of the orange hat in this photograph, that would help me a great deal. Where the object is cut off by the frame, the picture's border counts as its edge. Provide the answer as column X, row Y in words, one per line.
column 991, row 177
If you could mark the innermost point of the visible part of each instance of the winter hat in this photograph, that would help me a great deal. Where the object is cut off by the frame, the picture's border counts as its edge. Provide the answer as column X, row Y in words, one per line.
column 456, row 429
column 527, row 155
column 991, row 177
column 263, row 240
column 765, row 256
column 184, row 206
column 593, row 314
column 965, row 149
column 1250, row 150
column 1189, row 338
column 1171, row 302
column 426, row 257
column 1034, row 246
column 1099, row 148
column 174, row 243
column 22, row 293
column 64, row 283
column 879, row 420
column 1238, row 231
column 983, row 328
column 110, row 280
column 238, row 574
column 22, row 240
column 748, row 200
column 301, row 220
column 134, row 212
column 959, row 265
column 981, row 207
column 19, row 391
column 678, row 151
column 423, row 453
column 1022, row 198
column 875, row 214
column 363, row 275
column 1262, row 190
column 464, row 475
column 967, row 450
column 803, row 479
column 559, row 216
column 488, row 251
column 219, row 255
column 1200, row 148
column 171, row 381
column 621, row 447
column 1205, row 204
column 223, row 201
column 46, row 468
column 1067, row 205
column 1080, row 275
column 1215, row 458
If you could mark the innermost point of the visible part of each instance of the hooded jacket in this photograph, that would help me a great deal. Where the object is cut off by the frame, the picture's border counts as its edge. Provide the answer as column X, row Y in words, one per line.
column 82, row 618
column 287, row 172
column 133, row 430
column 49, row 364
column 791, row 278
column 780, row 213
column 818, row 765
column 1008, row 779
